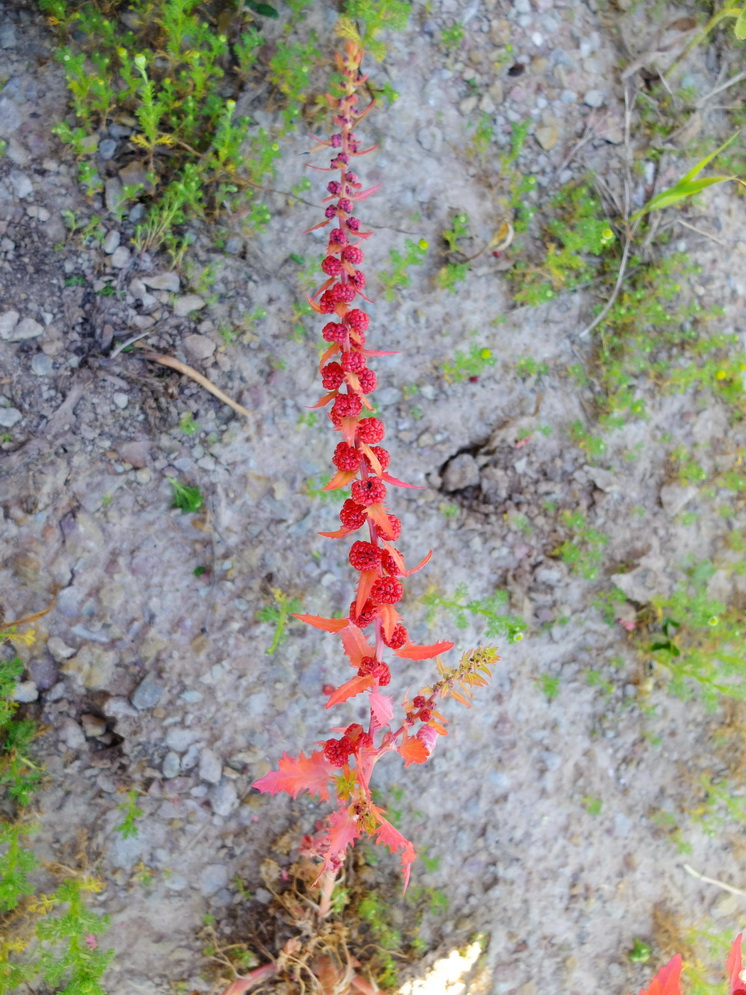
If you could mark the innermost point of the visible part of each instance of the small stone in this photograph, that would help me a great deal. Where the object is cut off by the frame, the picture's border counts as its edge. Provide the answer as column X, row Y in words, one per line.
column 210, row 767
column 547, row 134
column 120, row 399
column 26, row 329
column 468, row 105
column 107, row 148
column 675, row 497
column 111, row 242
column 44, row 673
column 8, row 322
column 25, row 692
column 71, row 734
column 113, row 194
column 59, row 650
column 121, row 257
column 185, row 305
column 10, row 117
column 176, row 882
column 21, row 184
column 462, row 471
column 594, row 98
column 42, row 365
column 137, row 453
column 430, row 139
column 93, row 725
column 147, row 694
column 9, row 417
column 171, row 766
column 135, row 174
column 213, row 878
column 163, row 281
column 93, row 666
column 180, row 739
column 224, row 799
column 198, row 347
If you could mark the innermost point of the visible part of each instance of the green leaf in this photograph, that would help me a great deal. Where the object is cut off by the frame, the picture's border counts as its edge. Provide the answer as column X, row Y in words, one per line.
column 262, row 8
column 740, row 26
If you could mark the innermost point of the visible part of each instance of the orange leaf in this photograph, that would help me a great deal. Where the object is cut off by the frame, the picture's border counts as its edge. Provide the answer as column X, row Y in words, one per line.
column 387, row 835
column 367, row 580
column 733, row 967
column 341, row 478
column 324, row 400
column 356, row 646
column 343, row 831
column 374, row 461
column 413, row 750
column 400, row 483
column 327, row 624
column 420, row 565
column 328, row 353
column 297, row 774
column 378, row 513
column 411, row 651
column 390, row 617
column 349, row 689
column 335, row 535
column 667, row 981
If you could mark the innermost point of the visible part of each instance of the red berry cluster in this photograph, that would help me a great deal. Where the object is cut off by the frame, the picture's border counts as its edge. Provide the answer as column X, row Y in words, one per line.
column 359, row 460
column 337, row 751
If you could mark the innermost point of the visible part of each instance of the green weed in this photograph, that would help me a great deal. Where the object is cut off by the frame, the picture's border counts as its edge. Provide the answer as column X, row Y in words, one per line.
column 466, row 365
column 398, row 276
column 127, row 828
column 491, row 609
column 280, row 615
column 187, row 499
column 583, row 550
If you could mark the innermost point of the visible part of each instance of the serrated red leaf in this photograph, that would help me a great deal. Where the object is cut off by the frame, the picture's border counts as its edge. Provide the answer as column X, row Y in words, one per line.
column 342, row 478
column 420, row 565
column 411, row 651
column 387, row 835
column 377, row 513
column 327, row 354
column 356, row 646
column 413, row 750
column 381, row 707
column 364, row 587
column 327, row 624
column 323, row 401
column 343, row 831
column 667, row 981
column 297, row 774
column 389, row 616
column 374, row 461
column 734, row 967
column 355, row 685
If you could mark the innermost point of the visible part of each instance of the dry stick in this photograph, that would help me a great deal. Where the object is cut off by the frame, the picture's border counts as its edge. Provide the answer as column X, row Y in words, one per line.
column 123, row 345
column 719, row 89
column 699, row 231
column 719, row 884
column 190, row 372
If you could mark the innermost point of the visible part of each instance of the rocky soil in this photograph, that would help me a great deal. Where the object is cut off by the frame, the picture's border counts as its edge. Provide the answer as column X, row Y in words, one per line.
column 146, row 675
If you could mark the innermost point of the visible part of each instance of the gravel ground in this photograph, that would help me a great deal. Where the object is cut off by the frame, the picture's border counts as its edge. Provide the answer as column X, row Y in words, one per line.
column 146, row 676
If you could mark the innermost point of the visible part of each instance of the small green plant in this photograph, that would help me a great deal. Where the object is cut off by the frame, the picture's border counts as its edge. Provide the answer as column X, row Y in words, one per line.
column 374, row 911
column 187, row 499
column 188, row 425
column 583, row 550
column 398, row 276
column 592, row 805
column 492, row 609
column 279, row 614
column 550, row 686
column 527, row 366
column 127, row 828
column 468, row 365
column 452, row 37
column 640, row 952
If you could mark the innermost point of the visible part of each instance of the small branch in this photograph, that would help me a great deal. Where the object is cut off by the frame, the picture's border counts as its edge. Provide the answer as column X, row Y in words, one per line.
column 706, row 234
column 719, row 884
column 190, row 372
column 719, row 89
column 615, row 292
column 123, row 345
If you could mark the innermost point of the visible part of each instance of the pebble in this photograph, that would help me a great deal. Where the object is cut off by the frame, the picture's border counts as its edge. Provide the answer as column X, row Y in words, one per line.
column 93, row 725
column 213, row 878
column 120, row 399
column 185, row 305
column 25, row 691
column 10, row 117
column 113, row 195
column 8, row 322
column 71, row 734
column 41, row 364
column 210, row 766
column 44, row 672
column 180, row 739
column 107, row 148
column 9, row 417
column 13, row 330
column 111, row 242
column 59, row 650
column 224, row 798
column 675, row 497
column 462, row 471
column 147, row 694
column 176, row 882
column 198, row 347
column 171, row 766
column 162, row 281
column 93, row 666
column 121, row 257
column 547, row 134
column 594, row 98
column 21, row 184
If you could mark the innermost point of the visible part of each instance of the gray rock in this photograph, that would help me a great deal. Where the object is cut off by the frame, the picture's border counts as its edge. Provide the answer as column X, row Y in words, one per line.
column 594, row 98
column 111, row 242
column 71, row 734
column 147, row 694
column 42, row 365
column 430, row 139
column 171, row 766
column 176, row 882
column 213, row 878
column 119, row 708
column 547, row 134
column 21, row 184
column 92, row 666
column 462, row 471
column 26, row 329
column 224, row 798
column 93, row 725
column 198, row 347
column 188, row 303
column 603, row 479
column 113, row 195
column 675, row 497
column 163, row 281
column 25, row 691
column 59, row 649
column 210, row 767
column 137, row 453
column 9, row 417
column 107, row 148
column 120, row 399
column 645, row 581
column 8, row 322
column 10, row 117
column 121, row 257
column 44, row 672
column 180, row 739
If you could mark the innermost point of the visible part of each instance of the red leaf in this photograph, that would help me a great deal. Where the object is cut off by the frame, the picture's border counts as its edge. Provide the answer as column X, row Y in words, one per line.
column 341, row 478
column 378, row 513
column 298, row 774
column 327, row 624
column 389, row 616
column 399, row 483
column 374, row 461
column 413, row 750
column 733, row 967
column 335, row 535
column 387, row 835
column 381, row 707
column 356, row 646
column 349, row 689
column 667, row 981
column 411, row 651
column 334, row 347
column 343, row 831
column 420, row 565
column 323, row 401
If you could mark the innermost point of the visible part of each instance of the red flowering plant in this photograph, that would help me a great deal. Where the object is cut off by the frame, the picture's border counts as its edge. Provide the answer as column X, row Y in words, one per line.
column 373, row 634
column 668, row 980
